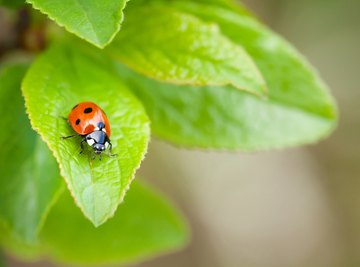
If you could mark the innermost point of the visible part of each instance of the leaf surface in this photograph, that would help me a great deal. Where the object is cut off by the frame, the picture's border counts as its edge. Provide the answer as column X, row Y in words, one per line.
column 29, row 181
column 224, row 118
column 299, row 108
column 291, row 80
column 56, row 82
column 175, row 47
column 144, row 226
column 96, row 21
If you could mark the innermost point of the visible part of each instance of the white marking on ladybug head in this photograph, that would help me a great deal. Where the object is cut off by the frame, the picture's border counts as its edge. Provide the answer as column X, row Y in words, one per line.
column 90, row 142
column 104, row 130
column 106, row 144
column 96, row 129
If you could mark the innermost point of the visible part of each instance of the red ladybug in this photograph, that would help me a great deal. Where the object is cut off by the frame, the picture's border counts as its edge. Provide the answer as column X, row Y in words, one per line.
column 90, row 122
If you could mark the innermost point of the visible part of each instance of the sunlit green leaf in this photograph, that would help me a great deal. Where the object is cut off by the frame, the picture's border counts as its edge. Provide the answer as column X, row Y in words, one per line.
column 298, row 110
column 291, row 80
column 57, row 81
column 176, row 47
column 144, row 226
column 96, row 21
column 29, row 180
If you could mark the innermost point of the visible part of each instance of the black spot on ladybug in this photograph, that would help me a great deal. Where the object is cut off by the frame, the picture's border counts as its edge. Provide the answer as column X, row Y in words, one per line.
column 77, row 122
column 75, row 106
column 88, row 110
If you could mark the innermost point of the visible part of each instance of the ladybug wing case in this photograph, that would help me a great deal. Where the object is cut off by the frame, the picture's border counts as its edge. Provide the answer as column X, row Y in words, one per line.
column 85, row 118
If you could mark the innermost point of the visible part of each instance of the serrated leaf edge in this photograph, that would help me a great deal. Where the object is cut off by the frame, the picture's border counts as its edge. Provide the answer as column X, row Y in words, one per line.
column 98, row 44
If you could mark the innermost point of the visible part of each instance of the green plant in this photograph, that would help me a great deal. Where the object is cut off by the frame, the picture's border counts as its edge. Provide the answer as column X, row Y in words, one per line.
column 201, row 74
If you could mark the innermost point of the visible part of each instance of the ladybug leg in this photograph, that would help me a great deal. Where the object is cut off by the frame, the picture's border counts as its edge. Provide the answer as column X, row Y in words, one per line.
column 110, row 149
column 82, row 145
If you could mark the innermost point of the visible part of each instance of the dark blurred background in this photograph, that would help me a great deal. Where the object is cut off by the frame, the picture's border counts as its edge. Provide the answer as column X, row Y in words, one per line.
column 290, row 208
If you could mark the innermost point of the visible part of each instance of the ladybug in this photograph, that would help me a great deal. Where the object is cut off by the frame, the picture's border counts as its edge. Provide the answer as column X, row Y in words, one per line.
column 89, row 121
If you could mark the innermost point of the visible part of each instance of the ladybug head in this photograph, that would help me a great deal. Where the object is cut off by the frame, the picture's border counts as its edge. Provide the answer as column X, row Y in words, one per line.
column 98, row 140
column 98, row 148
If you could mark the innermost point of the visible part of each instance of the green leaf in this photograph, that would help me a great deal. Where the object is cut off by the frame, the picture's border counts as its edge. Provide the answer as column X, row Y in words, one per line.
column 96, row 21
column 224, row 118
column 291, row 80
column 18, row 248
column 299, row 109
column 229, row 4
column 12, row 3
column 144, row 226
column 57, row 81
column 29, row 181
column 2, row 259
column 176, row 47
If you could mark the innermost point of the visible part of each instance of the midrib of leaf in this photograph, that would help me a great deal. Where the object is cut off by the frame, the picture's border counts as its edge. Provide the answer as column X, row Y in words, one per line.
column 74, row 71
column 88, row 19
column 90, row 188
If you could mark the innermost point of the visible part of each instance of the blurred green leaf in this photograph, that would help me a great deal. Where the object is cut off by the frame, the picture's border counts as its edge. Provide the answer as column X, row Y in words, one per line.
column 58, row 80
column 18, row 248
column 229, row 4
column 96, row 21
column 144, row 226
column 2, row 260
column 12, row 3
column 224, row 118
column 299, row 109
column 176, row 47
column 29, row 181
